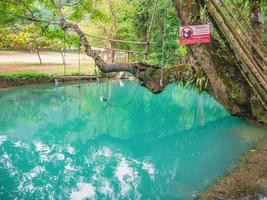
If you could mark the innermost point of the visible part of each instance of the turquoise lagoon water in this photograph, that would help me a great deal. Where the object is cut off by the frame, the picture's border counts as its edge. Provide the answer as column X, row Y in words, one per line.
column 65, row 143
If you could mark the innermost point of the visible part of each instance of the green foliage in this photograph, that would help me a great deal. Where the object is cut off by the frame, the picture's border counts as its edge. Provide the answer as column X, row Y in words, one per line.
column 120, row 19
column 26, row 37
column 24, row 76
column 198, row 82
column 165, row 48
column 114, row 19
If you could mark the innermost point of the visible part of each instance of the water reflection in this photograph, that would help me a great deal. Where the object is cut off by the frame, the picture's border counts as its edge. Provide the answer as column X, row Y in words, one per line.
column 63, row 143
column 67, row 109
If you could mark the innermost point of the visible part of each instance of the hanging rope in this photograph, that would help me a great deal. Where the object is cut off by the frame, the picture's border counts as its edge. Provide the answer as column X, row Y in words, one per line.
column 113, row 40
column 150, row 29
column 105, row 98
column 163, row 43
column 127, row 103
column 164, row 34
column 79, row 52
column 147, row 43
column 64, row 62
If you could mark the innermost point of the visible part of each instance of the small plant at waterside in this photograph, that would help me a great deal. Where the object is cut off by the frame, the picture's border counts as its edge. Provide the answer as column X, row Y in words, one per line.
column 24, row 76
column 198, row 81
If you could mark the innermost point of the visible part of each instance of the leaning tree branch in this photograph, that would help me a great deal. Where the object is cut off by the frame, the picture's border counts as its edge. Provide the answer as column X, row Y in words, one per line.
column 152, row 77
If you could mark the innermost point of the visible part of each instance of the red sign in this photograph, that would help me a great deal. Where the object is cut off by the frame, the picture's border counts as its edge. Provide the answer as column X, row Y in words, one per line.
column 195, row 34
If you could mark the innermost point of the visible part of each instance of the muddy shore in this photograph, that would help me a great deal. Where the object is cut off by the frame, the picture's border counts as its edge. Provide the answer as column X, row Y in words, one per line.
column 247, row 181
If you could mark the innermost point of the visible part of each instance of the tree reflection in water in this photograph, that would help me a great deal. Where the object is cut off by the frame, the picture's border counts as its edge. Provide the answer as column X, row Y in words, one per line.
column 62, row 142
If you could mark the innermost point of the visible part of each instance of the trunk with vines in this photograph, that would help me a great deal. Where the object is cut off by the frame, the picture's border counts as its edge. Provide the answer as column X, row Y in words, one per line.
column 226, row 63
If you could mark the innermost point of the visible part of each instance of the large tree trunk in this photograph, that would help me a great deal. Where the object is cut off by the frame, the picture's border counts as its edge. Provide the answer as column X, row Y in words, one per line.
column 221, row 64
column 208, row 61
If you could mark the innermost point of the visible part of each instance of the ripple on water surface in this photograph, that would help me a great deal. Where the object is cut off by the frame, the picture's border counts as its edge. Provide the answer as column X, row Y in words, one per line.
column 64, row 143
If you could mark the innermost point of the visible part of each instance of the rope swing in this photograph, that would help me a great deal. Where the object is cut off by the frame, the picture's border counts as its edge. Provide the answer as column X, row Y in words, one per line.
column 64, row 54
column 79, row 52
column 104, row 96
column 150, row 30
column 163, row 44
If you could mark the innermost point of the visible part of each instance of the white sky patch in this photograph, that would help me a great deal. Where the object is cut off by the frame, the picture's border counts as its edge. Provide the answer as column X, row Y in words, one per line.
column 125, row 175
column 36, row 171
column 7, row 163
column 85, row 190
column 26, row 184
column 44, row 158
column 23, row 145
column 2, row 139
column 71, row 150
column 68, row 167
column 40, row 147
column 106, row 188
column 59, row 156
column 105, row 152
column 150, row 169
column 18, row 144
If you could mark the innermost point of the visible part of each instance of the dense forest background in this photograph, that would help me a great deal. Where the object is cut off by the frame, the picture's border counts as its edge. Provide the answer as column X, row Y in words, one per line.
column 112, row 19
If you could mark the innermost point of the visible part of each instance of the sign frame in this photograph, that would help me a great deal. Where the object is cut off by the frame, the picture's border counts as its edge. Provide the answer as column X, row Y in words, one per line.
column 199, row 34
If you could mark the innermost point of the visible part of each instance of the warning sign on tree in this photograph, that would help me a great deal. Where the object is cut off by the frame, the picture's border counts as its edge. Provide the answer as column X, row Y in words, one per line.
column 195, row 34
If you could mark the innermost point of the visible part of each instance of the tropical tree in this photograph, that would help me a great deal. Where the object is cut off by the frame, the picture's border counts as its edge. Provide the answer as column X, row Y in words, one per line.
column 232, row 66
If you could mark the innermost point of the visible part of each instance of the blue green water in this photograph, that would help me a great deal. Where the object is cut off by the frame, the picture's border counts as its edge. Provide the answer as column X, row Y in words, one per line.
column 65, row 143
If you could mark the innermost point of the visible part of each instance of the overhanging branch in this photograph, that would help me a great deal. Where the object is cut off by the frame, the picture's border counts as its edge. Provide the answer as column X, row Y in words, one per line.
column 152, row 77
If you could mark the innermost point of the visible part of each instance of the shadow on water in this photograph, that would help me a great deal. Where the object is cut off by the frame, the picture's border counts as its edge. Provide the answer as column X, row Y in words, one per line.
column 63, row 142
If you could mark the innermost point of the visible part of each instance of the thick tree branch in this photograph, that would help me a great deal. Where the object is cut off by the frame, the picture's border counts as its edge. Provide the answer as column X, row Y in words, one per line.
column 152, row 77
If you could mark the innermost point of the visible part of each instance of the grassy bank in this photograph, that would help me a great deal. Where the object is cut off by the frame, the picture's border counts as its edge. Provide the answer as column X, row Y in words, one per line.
column 26, row 78
column 22, row 78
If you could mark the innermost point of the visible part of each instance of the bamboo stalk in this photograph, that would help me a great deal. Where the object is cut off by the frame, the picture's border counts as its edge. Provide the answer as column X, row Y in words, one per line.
column 248, row 52
column 150, row 29
column 249, row 26
column 253, row 66
column 245, row 69
column 245, row 33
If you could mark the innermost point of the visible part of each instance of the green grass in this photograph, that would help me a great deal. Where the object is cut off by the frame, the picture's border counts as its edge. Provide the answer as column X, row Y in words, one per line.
column 24, row 76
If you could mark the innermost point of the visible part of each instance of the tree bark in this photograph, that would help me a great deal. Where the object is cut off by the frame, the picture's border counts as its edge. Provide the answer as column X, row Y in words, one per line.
column 256, row 12
column 204, row 59
column 221, row 63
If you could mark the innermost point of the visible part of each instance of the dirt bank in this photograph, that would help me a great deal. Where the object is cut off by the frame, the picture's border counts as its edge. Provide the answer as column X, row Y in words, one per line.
column 248, row 181
column 7, row 84
column 61, row 79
